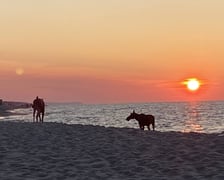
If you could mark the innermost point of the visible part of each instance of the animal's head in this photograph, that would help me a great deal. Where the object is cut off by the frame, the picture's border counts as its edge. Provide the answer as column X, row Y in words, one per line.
column 131, row 116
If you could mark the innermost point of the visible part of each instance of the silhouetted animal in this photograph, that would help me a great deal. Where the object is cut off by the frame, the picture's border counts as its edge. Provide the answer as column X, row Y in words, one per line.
column 143, row 120
column 39, row 107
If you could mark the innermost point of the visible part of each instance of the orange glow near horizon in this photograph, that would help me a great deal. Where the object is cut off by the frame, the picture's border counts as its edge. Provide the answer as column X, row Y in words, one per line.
column 111, row 51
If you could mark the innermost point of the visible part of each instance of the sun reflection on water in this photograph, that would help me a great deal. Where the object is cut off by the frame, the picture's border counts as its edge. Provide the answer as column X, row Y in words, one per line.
column 192, row 122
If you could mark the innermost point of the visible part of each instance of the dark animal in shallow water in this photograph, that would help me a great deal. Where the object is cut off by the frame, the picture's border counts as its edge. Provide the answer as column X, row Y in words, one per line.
column 143, row 120
column 38, row 109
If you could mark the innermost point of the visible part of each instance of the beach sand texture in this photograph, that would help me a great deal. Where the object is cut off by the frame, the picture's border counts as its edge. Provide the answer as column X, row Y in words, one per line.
column 60, row 151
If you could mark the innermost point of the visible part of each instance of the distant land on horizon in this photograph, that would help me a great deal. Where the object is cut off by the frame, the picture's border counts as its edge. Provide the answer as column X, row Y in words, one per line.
column 14, row 104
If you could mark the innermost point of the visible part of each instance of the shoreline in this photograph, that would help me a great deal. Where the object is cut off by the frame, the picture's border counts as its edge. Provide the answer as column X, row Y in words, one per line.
column 54, row 150
column 7, row 106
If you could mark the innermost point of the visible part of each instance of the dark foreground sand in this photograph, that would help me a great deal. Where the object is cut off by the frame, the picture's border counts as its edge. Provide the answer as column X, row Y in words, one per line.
column 58, row 151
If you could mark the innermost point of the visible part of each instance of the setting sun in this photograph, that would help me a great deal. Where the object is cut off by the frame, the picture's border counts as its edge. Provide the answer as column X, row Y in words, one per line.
column 192, row 84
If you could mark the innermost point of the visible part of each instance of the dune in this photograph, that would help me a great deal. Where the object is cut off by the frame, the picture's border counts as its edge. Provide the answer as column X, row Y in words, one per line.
column 61, row 151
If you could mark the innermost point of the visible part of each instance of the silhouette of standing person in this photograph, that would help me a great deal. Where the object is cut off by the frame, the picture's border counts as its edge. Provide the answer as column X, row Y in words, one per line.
column 38, row 107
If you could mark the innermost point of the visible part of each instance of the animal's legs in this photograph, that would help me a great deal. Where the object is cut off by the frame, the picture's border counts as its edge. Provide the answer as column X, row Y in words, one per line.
column 34, row 112
column 38, row 116
column 153, row 126
column 42, row 120
column 148, row 127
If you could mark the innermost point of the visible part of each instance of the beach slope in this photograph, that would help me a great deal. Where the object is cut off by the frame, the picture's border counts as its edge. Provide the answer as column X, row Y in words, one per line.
column 60, row 151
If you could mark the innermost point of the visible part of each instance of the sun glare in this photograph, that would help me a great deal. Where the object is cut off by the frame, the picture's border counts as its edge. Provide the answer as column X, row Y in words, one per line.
column 192, row 84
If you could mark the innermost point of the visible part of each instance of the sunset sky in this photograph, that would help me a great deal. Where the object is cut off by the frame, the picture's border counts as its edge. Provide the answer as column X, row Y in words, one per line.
column 99, row 51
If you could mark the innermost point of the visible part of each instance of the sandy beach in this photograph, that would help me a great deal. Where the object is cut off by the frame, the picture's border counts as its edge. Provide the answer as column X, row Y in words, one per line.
column 60, row 151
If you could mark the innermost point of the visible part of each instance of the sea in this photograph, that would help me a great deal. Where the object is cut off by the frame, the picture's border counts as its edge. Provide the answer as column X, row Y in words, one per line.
column 200, row 117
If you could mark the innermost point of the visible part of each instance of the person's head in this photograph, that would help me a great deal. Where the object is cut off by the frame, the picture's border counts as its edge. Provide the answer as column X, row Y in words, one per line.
column 37, row 97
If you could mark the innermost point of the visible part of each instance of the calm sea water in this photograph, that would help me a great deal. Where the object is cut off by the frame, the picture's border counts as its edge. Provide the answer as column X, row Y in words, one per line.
column 205, row 117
